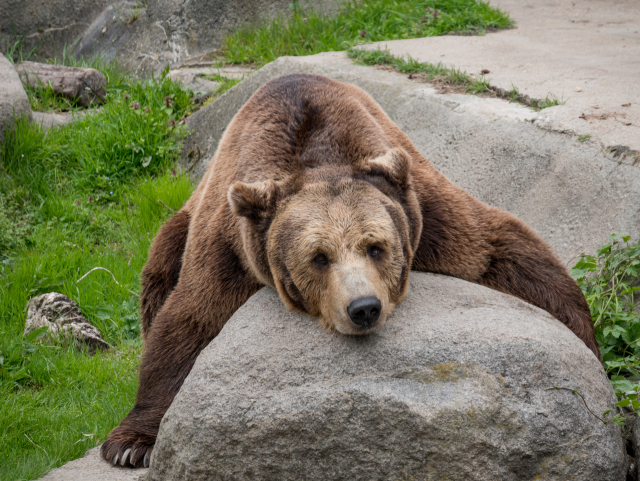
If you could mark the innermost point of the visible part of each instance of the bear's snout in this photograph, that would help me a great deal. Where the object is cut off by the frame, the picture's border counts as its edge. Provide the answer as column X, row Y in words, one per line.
column 365, row 311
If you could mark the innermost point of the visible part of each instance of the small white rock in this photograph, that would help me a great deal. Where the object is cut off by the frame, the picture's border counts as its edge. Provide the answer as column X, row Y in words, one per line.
column 64, row 321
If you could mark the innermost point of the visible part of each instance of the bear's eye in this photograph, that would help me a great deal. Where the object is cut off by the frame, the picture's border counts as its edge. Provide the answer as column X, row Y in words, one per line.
column 375, row 251
column 321, row 259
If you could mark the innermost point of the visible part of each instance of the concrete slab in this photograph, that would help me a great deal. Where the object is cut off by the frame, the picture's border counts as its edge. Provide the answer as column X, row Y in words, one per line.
column 586, row 53
column 573, row 194
column 188, row 75
column 93, row 468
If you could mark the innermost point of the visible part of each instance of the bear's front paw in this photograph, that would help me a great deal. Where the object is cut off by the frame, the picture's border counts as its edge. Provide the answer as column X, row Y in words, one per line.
column 126, row 450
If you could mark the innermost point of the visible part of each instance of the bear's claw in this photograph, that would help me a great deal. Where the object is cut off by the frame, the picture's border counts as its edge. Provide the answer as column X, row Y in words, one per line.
column 123, row 461
column 132, row 455
column 147, row 457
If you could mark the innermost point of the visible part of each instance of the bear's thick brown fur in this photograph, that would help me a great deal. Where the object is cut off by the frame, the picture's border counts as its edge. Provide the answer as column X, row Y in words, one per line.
column 315, row 191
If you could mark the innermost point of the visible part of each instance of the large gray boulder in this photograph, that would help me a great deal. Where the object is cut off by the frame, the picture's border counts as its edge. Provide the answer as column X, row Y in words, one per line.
column 455, row 386
column 14, row 102
column 573, row 194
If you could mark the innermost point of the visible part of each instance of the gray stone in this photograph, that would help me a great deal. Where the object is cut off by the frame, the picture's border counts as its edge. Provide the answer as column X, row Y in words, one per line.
column 192, row 81
column 48, row 120
column 192, row 78
column 189, row 75
column 454, row 386
column 86, row 86
column 93, row 468
column 573, row 194
column 64, row 321
column 14, row 102
column 49, row 26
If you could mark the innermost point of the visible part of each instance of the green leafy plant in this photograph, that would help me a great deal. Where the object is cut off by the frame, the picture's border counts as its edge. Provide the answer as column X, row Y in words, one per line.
column 609, row 281
column 121, row 321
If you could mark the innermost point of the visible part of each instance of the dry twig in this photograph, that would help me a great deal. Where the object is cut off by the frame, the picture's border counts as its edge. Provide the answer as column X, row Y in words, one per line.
column 112, row 276
column 172, row 210
column 575, row 391
column 45, row 451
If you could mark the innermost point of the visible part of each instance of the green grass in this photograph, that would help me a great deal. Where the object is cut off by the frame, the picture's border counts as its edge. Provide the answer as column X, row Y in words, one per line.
column 70, row 406
column 86, row 195
column 584, row 138
column 308, row 32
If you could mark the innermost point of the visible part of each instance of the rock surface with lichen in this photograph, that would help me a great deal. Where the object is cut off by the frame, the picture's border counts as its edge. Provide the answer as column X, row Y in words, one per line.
column 64, row 321
column 455, row 386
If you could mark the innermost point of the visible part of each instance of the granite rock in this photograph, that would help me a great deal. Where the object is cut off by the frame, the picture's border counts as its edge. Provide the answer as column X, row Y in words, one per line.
column 455, row 386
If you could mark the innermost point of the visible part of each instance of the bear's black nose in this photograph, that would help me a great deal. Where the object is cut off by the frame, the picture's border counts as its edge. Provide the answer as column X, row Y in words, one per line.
column 365, row 311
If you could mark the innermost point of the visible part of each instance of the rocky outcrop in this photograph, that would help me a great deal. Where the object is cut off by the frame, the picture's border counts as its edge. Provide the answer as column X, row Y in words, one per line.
column 49, row 26
column 574, row 195
column 86, row 86
column 64, row 321
column 174, row 31
column 455, row 386
column 14, row 102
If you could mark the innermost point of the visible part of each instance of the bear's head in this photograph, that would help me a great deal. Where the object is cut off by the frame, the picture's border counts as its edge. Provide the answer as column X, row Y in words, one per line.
column 337, row 243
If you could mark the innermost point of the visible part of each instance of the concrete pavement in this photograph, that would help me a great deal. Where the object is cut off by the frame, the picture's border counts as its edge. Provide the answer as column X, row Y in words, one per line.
column 92, row 467
column 585, row 52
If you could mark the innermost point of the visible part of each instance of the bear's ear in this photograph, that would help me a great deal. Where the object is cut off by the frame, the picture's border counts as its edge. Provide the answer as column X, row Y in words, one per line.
column 395, row 165
column 253, row 201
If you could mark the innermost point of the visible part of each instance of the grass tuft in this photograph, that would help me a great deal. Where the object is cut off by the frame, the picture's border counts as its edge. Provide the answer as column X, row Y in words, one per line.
column 430, row 71
column 226, row 83
column 549, row 101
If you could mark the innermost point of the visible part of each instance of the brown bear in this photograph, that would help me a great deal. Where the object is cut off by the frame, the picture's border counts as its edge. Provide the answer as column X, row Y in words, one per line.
column 315, row 191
